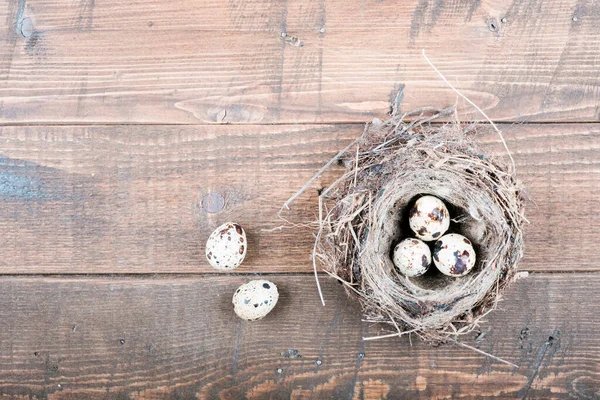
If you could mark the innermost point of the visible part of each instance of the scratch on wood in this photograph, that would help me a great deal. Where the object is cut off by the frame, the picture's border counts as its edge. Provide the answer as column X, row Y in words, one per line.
column 359, row 360
column 35, row 46
column 474, row 6
column 396, row 96
column 322, row 22
column 419, row 17
column 551, row 346
column 82, row 92
column 225, row 112
column 85, row 18
column 19, row 15
column 236, row 350
column 279, row 85
column 14, row 17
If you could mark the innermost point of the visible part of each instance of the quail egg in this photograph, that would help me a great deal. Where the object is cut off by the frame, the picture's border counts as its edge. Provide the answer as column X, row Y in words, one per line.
column 453, row 255
column 429, row 218
column 226, row 246
column 255, row 299
column 412, row 257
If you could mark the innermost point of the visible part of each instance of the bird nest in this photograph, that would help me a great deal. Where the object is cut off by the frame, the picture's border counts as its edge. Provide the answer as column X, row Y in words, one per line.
column 364, row 214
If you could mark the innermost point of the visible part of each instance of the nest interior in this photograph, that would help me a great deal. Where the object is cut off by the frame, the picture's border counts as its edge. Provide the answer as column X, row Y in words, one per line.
column 364, row 214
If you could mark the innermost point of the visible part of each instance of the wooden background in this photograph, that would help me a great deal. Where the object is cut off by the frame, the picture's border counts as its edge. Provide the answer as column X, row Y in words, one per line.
column 130, row 129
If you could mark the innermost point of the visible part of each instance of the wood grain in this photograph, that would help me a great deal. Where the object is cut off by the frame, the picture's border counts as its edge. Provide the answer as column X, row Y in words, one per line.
column 182, row 62
column 135, row 199
column 129, row 130
column 179, row 338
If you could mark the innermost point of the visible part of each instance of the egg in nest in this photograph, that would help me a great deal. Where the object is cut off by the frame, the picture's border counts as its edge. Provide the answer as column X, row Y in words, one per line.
column 453, row 255
column 429, row 218
column 412, row 257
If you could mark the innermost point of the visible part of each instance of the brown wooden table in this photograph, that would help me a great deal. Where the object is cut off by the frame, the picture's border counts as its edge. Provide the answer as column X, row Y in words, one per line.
column 131, row 129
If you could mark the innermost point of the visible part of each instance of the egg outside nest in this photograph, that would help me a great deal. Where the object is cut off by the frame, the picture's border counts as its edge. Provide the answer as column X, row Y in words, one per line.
column 254, row 300
column 226, row 247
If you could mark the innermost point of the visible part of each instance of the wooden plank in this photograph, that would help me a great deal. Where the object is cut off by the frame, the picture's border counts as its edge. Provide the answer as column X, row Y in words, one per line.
column 138, row 199
column 179, row 338
column 136, row 16
column 181, row 62
column 559, row 166
column 135, row 199
column 260, row 15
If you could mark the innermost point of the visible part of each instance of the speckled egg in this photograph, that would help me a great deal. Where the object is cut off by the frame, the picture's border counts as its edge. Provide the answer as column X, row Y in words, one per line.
column 453, row 255
column 412, row 257
column 429, row 218
column 226, row 246
column 255, row 299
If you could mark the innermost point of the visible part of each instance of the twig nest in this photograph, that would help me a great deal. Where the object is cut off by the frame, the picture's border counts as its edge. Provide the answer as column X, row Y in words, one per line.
column 226, row 246
column 255, row 299
column 395, row 169
column 412, row 257
column 429, row 218
column 453, row 255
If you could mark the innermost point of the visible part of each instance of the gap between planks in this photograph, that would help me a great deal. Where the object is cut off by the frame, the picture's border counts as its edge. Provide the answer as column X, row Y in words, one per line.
column 200, row 275
column 303, row 123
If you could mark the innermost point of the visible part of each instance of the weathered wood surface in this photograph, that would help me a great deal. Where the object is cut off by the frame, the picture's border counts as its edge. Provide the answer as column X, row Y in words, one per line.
column 111, row 163
column 182, row 62
column 64, row 338
column 136, row 199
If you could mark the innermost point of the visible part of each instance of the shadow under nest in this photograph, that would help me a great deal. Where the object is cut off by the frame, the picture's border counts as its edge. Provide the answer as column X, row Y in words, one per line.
column 362, row 215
